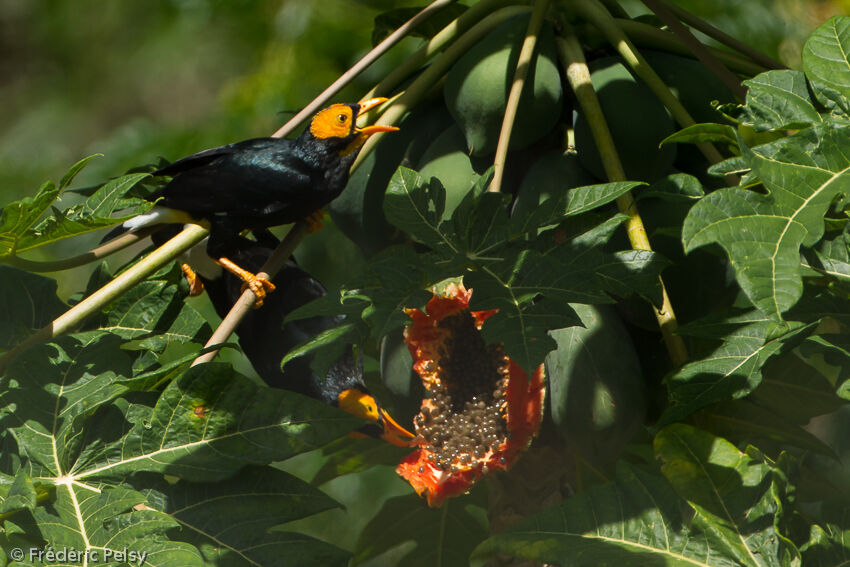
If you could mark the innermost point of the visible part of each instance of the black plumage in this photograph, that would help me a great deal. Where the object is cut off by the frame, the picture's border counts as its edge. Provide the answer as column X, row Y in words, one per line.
column 265, row 339
column 262, row 182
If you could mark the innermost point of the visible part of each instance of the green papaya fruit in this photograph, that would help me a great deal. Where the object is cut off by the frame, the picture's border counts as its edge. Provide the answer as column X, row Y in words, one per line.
column 637, row 120
column 447, row 160
column 477, row 86
column 552, row 175
column 597, row 397
column 692, row 82
column 358, row 211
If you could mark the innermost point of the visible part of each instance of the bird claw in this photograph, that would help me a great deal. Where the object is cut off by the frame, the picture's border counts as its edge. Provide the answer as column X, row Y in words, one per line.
column 314, row 221
column 196, row 286
column 260, row 286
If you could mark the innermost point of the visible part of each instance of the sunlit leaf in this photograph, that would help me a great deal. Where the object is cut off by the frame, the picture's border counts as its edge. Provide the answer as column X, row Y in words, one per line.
column 637, row 520
column 780, row 100
column 738, row 499
column 826, row 63
column 763, row 233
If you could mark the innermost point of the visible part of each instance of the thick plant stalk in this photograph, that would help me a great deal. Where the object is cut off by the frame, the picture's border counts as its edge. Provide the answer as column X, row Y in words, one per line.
column 652, row 37
column 723, row 37
column 596, row 13
column 702, row 53
column 436, row 44
column 524, row 62
column 578, row 76
column 74, row 317
column 111, row 247
column 373, row 55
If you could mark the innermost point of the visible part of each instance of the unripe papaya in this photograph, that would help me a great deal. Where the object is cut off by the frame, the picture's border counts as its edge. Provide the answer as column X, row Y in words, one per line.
column 637, row 120
column 596, row 390
column 447, row 160
column 477, row 86
column 692, row 82
column 552, row 175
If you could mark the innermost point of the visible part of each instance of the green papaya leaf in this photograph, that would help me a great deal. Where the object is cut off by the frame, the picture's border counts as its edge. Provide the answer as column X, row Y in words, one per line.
column 699, row 133
column 348, row 456
column 416, row 207
column 780, row 100
column 829, row 544
column 678, row 187
column 794, row 389
column 28, row 302
column 763, row 233
column 444, row 536
column 110, row 524
column 637, row 520
column 210, row 422
column 55, row 387
column 231, row 519
column 827, row 65
column 833, row 256
column 739, row 499
column 742, row 421
column 21, row 229
column 737, row 165
column 21, row 494
column 573, row 202
column 732, row 370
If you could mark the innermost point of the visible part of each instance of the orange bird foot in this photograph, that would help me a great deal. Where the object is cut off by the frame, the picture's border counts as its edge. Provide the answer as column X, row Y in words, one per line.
column 259, row 285
column 314, row 221
column 196, row 286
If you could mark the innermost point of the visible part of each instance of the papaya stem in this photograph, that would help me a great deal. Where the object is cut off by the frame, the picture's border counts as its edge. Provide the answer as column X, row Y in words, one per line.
column 578, row 76
column 649, row 36
column 114, row 245
column 367, row 60
column 431, row 75
column 436, row 44
column 594, row 12
column 723, row 37
column 246, row 301
column 698, row 49
column 524, row 62
column 91, row 305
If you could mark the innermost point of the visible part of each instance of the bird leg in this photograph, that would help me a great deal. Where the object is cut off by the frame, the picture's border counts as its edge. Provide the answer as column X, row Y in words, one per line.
column 314, row 221
column 196, row 286
column 259, row 285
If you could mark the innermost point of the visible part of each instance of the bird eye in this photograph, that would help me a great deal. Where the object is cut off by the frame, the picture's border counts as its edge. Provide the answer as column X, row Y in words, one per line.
column 341, row 118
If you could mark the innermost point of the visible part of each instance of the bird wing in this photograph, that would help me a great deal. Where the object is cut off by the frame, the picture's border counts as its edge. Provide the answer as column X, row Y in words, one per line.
column 241, row 178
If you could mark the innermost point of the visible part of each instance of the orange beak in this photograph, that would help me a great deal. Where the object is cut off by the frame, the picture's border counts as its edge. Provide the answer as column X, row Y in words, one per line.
column 366, row 106
column 363, row 405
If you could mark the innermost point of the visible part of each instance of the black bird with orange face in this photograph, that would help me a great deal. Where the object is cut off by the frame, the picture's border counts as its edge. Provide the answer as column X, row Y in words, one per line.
column 265, row 338
column 262, row 182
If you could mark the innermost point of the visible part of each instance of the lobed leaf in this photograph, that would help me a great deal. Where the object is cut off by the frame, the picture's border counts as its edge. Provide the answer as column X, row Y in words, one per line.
column 738, row 499
column 637, row 520
column 230, row 521
column 827, row 65
column 762, row 234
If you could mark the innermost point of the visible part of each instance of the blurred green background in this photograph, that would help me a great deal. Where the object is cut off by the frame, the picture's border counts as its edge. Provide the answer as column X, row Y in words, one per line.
column 137, row 81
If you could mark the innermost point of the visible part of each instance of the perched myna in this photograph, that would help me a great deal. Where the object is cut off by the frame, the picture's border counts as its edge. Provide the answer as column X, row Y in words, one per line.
column 265, row 339
column 261, row 182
